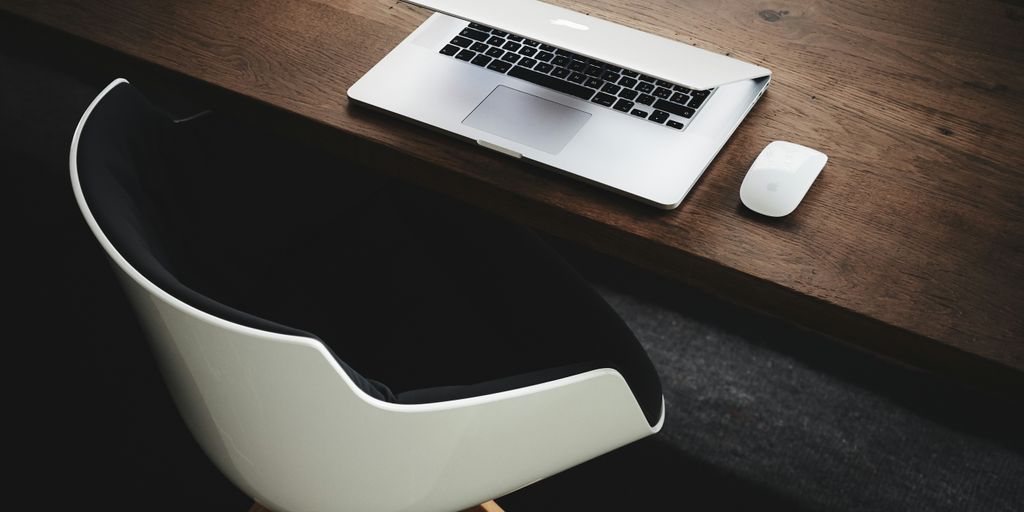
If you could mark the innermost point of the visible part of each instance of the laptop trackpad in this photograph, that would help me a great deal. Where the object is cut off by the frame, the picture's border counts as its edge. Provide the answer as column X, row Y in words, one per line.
column 527, row 119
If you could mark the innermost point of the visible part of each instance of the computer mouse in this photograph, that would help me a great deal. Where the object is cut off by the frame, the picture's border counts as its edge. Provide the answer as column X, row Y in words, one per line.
column 780, row 177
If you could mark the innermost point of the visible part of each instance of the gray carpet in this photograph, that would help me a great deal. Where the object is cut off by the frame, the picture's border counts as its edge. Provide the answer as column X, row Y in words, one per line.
column 821, row 425
column 789, row 425
column 761, row 415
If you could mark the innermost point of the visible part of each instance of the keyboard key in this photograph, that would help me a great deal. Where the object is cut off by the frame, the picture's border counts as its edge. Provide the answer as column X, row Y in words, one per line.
column 675, row 124
column 560, row 51
column 498, row 33
column 658, row 116
column 475, row 35
column 611, row 76
column 577, row 65
column 644, row 87
column 512, row 47
column 449, row 50
column 462, row 41
column 544, row 56
column 646, row 78
column 527, row 62
column 639, row 113
column 680, row 98
column 627, row 81
column 623, row 105
column 547, row 47
column 544, row 67
column 674, row 108
column 513, row 37
column 681, row 89
column 662, row 92
column 550, row 82
column 480, row 27
column 610, row 88
column 604, row 99
column 465, row 55
column 499, row 66
column 560, row 72
column 696, row 101
column 700, row 94
column 526, row 50
column 593, row 82
column 594, row 70
column 662, row 83
column 495, row 52
column 645, row 99
column 560, row 60
column 478, row 47
column 577, row 77
column 495, row 41
column 510, row 57
column 530, row 42
column 613, row 69
column 629, row 94
column 481, row 60
column 631, row 74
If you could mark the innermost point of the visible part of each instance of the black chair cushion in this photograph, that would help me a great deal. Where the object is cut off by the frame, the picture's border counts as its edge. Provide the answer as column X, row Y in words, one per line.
column 435, row 299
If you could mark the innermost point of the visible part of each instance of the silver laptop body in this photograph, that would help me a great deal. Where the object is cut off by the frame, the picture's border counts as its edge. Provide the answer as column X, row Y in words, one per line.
column 629, row 111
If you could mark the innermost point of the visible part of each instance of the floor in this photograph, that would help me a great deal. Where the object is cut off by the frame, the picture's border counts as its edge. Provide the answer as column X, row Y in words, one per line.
column 760, row 414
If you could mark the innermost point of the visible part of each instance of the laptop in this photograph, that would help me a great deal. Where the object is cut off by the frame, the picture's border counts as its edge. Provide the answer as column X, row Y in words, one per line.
column 631, row 112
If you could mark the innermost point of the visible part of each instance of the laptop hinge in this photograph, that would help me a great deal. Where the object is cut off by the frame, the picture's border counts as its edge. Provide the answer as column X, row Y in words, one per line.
column 589, row 36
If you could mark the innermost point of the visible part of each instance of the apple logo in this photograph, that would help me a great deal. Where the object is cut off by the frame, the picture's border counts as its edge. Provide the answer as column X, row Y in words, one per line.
column 773, row 186
column 570, row 24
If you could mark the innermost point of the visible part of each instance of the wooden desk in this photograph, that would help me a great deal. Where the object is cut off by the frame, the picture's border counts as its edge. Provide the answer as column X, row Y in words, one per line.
column 911, row 243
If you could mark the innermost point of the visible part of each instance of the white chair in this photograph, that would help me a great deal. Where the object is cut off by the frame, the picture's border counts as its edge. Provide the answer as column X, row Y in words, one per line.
column 291, row 424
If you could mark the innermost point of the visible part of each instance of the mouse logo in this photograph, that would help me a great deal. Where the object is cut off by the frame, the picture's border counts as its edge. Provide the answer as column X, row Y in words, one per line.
column 773, row 186
column 570, row 24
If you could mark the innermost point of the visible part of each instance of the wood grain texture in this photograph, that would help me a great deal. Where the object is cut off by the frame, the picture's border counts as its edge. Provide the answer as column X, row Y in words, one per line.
column 911, row 243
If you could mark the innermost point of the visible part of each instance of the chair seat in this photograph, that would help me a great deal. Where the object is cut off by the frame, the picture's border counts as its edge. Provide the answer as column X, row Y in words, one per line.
column 420, row 298
column 449, row 302
column 233, row 253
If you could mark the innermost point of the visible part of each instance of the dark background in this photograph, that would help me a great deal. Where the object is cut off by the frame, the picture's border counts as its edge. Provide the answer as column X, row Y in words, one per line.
column 761, row 414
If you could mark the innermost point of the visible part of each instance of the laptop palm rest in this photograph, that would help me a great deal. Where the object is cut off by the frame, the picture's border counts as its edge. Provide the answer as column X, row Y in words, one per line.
column 527, row 119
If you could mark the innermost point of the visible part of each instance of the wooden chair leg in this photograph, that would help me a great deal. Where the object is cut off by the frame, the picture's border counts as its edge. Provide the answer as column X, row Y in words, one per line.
column 490, row 506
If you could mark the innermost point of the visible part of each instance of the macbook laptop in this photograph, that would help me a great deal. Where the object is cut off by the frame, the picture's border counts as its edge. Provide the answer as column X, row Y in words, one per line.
column 632, row 112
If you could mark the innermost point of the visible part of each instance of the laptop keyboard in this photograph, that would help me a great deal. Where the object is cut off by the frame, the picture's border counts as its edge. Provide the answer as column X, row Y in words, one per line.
column 591, row 80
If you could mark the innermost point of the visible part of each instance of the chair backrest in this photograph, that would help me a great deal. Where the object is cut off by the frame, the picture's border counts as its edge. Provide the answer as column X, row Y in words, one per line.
column 279, row 414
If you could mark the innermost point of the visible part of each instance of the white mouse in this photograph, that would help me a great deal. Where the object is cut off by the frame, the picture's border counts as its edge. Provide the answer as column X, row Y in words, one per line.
column 780, row 177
